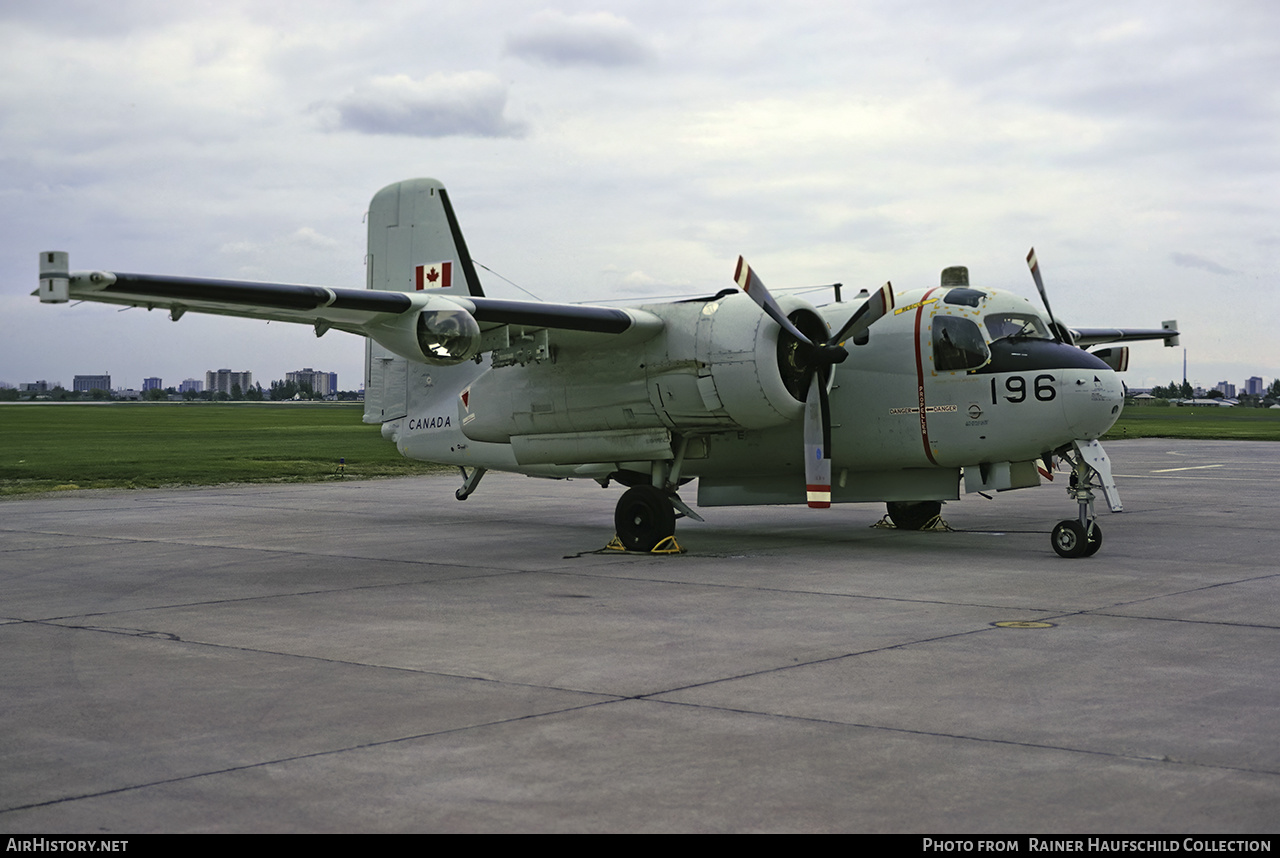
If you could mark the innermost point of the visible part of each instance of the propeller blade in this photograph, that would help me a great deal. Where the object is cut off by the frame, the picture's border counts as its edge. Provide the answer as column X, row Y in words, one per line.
column 816, row 359
column 817, row 444
column 748, row 282
column 872, row 309
column 1034, row 265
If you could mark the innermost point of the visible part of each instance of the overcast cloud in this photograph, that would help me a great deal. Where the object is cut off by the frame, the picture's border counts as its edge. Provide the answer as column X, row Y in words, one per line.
column 592, row 39
column 466, row 104
column 601, row 151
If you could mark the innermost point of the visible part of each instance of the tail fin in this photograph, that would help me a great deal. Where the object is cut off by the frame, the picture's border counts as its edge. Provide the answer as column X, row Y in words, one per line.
column 414, row 243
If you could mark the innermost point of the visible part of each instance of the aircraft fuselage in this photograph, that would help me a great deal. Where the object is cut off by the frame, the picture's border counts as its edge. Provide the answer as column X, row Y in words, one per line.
column 954, row 377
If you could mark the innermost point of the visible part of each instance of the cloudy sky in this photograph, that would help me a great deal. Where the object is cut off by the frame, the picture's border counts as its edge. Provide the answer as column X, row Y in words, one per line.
column 620, row 150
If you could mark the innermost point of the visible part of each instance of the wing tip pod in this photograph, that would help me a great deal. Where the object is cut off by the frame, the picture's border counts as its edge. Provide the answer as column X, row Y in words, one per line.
column 55, row 277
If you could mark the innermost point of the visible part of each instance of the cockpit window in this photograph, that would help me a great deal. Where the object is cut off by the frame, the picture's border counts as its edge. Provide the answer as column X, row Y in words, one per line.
column 957, row 344
column 1001, row 325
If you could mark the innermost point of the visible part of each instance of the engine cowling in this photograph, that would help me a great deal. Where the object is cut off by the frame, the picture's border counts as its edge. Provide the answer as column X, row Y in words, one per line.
column 749, row 375
column 441, row 334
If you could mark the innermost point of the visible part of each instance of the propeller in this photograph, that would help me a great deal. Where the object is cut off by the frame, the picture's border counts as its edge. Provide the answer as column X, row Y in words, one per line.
column 1060, row 333
column 814, row 360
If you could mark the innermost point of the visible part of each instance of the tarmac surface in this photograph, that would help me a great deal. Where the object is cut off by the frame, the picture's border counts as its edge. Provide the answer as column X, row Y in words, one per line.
column 376, row 656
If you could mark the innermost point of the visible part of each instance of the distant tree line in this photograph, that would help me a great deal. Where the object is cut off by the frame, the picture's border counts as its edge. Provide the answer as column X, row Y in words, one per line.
column 1173, row 391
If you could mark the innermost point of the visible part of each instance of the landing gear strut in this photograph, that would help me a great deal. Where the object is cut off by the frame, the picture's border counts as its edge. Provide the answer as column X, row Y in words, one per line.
column 1090, row 469
column 469, row 482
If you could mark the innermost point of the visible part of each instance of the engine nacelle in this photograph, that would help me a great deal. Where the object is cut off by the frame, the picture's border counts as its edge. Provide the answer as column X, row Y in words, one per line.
column 745, row 366
column 442, row 334
column 719, row 365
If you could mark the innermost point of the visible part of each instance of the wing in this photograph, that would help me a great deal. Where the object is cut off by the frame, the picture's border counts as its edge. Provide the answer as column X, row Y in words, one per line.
column 407, row 323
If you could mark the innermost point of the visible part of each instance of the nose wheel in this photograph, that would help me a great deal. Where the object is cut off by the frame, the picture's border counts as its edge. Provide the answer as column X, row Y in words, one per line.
column 1072, row 539
column 1090, row 469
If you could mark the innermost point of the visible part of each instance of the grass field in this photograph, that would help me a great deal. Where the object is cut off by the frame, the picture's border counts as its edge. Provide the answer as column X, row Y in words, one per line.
column 1228, row 424
column 48, row 447
column 142, row 445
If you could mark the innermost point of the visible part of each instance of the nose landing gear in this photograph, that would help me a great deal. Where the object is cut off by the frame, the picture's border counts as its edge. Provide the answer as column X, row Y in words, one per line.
column 1090, row 469
column 1072, row 539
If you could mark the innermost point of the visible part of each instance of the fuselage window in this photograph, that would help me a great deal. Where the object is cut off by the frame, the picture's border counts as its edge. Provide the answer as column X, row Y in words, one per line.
column 957, row 344
column 965, row 296
column 1001, row 325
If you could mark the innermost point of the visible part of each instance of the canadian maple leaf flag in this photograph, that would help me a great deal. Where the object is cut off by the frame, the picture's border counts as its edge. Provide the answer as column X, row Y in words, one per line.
column 433, row 275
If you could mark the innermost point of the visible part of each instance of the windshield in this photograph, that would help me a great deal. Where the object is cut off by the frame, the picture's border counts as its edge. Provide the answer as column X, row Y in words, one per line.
column 1012, row 325
column 957, row 344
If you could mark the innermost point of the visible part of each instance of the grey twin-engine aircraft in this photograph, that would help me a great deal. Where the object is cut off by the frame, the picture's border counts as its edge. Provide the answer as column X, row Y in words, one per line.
column 890, row 397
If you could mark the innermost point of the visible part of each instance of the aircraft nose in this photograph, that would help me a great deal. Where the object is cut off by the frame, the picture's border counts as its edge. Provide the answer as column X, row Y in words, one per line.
column 1092, row 399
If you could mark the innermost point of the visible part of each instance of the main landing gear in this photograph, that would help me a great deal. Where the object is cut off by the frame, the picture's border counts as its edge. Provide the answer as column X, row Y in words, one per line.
column 909, row 515
column 1090, row 469
column 644, row 519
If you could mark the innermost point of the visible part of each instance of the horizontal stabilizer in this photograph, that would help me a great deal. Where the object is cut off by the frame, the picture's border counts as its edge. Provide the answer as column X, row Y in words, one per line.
column 1085, row 337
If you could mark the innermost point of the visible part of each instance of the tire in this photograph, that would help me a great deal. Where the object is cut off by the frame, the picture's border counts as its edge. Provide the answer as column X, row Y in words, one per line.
column 1070, row 540
column 913, row 515
column 643, row 518
column 1095, row 540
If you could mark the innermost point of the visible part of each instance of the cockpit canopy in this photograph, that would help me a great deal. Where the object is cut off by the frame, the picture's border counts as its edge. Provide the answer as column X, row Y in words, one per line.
column 960, row 342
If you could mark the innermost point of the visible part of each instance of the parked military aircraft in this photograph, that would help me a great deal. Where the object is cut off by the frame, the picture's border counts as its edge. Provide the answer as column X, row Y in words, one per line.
column 890, row 397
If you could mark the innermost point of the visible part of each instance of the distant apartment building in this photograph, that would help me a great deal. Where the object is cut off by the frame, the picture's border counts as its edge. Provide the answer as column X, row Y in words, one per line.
column 222, row 380
column 191, row 385
column 323, row 383
column 1254, row 386
column 1227, row 389
column 152, row 384
column 40, row 386
column 86, row 383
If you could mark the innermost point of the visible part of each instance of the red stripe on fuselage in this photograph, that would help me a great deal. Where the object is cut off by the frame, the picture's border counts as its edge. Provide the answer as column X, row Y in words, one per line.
column 924, row 425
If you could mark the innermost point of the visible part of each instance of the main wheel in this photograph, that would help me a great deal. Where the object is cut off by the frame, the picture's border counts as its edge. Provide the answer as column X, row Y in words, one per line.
column 1070, row 539
column 644, row 518
column 913, row 515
